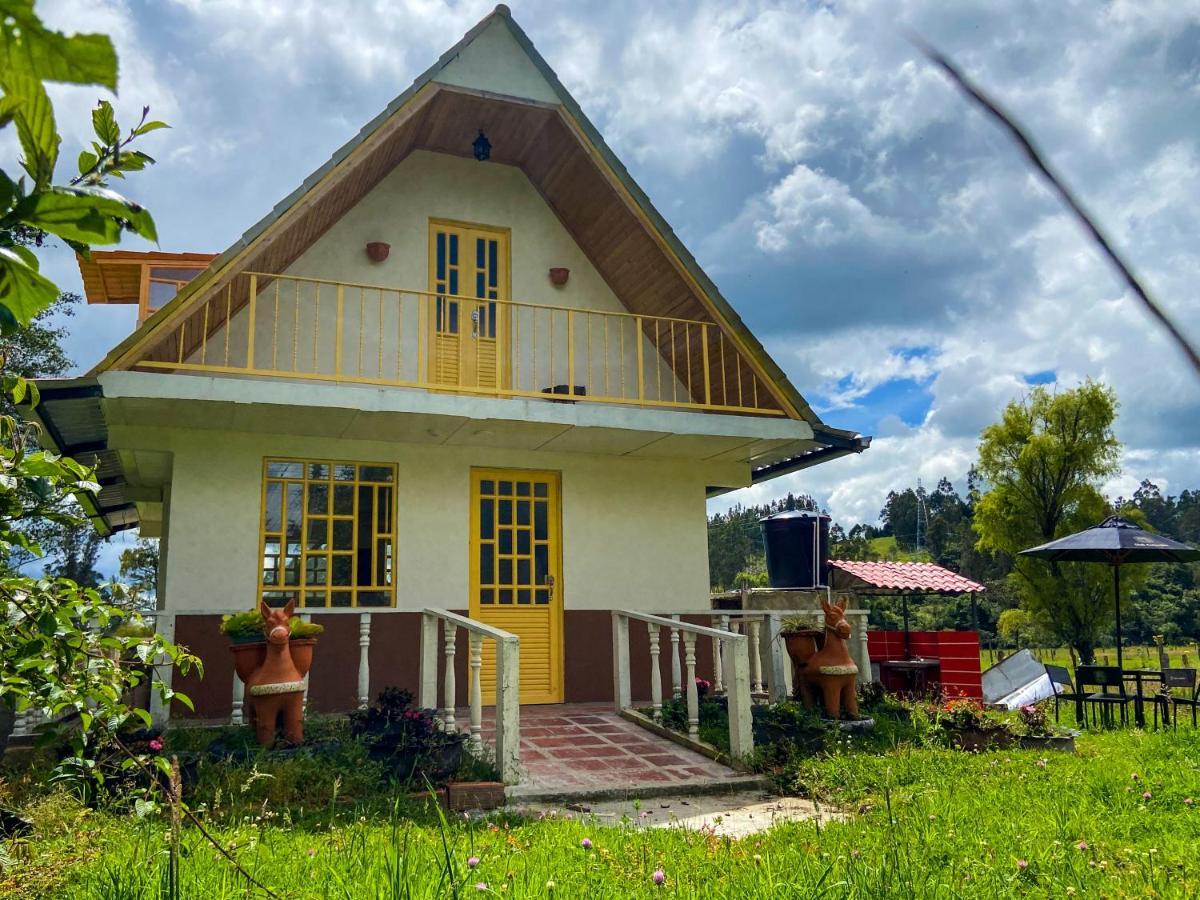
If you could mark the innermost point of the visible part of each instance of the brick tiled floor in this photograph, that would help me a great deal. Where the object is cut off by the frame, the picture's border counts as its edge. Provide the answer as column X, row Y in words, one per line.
column 583, row 747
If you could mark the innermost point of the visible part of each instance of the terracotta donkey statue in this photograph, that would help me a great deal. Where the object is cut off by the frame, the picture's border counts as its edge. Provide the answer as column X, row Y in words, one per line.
column 830, row 669
column 277, row 687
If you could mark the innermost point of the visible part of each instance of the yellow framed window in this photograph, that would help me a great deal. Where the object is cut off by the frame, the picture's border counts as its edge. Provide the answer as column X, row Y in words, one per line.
column 328, row 533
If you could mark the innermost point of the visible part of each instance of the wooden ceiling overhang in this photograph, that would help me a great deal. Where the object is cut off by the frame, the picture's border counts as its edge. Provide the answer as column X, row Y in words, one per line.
column 554, row 153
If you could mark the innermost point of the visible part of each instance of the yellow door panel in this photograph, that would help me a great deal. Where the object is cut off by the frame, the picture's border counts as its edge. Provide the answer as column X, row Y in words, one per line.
column 515, row 574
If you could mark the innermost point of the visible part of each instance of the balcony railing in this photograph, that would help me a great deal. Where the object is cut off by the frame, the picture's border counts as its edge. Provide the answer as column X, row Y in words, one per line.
column 314, row 329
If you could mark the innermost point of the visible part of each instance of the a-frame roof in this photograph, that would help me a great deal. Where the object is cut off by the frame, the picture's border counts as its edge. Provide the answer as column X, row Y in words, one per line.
column 535, row 124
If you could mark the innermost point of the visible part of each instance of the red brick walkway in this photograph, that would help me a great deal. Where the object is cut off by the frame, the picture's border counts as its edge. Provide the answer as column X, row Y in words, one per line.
column 581, row 747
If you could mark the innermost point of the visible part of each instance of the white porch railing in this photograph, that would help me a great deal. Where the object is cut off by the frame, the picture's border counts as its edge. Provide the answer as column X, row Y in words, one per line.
column 731, row 648
column 508, row 677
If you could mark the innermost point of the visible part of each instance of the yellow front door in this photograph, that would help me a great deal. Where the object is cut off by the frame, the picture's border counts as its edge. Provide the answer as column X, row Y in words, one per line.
column 515, row 574
column 468, row 278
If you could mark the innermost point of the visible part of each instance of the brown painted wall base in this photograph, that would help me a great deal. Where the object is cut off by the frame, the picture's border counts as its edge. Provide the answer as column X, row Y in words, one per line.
column 395, row 661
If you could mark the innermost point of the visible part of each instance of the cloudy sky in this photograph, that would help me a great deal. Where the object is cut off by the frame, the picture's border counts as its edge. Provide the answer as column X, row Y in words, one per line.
column 882, row 239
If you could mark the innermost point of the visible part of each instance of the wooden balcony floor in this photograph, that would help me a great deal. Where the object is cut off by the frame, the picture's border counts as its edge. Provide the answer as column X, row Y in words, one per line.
column 587, row 750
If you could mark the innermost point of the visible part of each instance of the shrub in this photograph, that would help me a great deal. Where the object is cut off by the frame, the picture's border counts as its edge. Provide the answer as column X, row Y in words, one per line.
column 405, row 738
column 1034, row 721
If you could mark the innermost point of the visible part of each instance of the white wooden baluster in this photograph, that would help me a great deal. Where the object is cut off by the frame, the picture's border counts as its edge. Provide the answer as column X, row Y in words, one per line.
column 655, row 672
column 693, row 699
column 237, row 714
column 781, row 663
column 753, row 629
column 364, row 660
column 476, row 662
column 448, row 684
column 622, row 688
column 676, row 685
column 718, row 667
column 429, row 648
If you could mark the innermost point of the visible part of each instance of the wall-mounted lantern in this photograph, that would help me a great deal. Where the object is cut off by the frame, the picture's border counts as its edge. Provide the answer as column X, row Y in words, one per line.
column 377, row 251
column 559, row 276
column 482, row 146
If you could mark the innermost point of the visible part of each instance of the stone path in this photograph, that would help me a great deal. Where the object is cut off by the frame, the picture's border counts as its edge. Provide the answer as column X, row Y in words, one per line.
column 587, row 750
column 729, row 815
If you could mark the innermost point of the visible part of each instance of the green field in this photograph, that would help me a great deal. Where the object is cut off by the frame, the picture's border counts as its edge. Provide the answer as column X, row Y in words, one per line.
column 1115, row 819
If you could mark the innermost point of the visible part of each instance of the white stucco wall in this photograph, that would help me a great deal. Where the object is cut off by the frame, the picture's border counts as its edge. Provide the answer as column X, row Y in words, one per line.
column 634, row 530
column 296, row 330
column 495, row 62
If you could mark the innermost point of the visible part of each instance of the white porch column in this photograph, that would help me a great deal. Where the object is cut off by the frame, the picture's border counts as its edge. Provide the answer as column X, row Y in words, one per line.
column 164, row 672
column 364, row 660
column 429, row 648
column 741, row 734
column 781, row 664
column 622, row 691
column 718, row 668
column 858, row 644
column 476, row 666
column 753, row 632
column 508, row 709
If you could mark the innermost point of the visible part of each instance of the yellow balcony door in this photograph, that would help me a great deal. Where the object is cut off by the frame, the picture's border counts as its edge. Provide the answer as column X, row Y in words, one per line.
column 515, row 580
column 468, row 275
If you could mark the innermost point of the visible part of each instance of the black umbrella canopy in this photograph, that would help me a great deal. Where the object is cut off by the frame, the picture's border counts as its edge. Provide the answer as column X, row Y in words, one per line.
column 1115, row 541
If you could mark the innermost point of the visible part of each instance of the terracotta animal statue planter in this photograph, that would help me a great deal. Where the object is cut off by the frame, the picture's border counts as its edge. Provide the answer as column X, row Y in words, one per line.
column 830, row 670
column 276, row 688
column 802, row 644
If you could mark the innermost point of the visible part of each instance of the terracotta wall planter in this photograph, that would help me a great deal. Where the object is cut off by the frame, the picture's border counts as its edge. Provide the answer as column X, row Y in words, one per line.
column 247, row 658
column 464, row 795
column 559, row 276
column 302, row 653
column 1064, row 743
column 801, row 645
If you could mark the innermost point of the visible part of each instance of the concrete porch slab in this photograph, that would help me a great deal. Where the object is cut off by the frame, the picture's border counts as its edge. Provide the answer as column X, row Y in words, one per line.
column 587, row 751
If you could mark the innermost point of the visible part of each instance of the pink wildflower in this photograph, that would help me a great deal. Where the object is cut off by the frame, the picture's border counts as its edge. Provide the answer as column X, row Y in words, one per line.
column 659, row 876
column 1134, row 776
column 586, row 843
column 1082, row 845
column 311, row 852
column 1188, row 801
column 1022, row 864
column 156, row 744
column 472, row 862
column 481, row 885
column 1146, row 795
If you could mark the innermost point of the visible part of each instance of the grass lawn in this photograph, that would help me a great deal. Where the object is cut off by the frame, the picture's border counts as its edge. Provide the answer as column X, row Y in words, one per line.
column 1116, row 819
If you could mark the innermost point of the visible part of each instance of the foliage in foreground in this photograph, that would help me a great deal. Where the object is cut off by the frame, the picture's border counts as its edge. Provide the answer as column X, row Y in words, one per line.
column 1114, row 820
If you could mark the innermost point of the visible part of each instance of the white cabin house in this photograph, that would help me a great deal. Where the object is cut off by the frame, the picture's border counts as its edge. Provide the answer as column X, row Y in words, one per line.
column 465, row 367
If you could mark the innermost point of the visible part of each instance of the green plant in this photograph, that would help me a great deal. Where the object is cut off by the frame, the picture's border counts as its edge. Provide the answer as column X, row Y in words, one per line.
column 797, row 624
column 1034, row 721
column 247, row 625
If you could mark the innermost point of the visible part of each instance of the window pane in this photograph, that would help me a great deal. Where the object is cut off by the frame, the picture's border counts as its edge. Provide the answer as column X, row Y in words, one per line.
column 291, row 570
column 318, row 471
column 315, row 569
column 523, row 542
column 315, row 598
column 342, row 570
column 383, row 523
column 505, row 511
column 161, row 293
column 487, row 486
column 487, row 596
column 273, row 516
column 318, row 535
column 505, row 595
column 383, row 562
column 541, row 490
column 486, row 568
column 294, row 510
column 524, row 595
column 278, row 598
column 318, row 499
column 343, row 473
column 541, row 563
column 487, row 519
column 541, row 595
column 271, row 547
column 506, row 541
column 270, row 572
column 285, row 470
column 374, row 598
column 375, row 473
column 522, row 488
column 343, row 500
column 522, row 512
column 506, row 572
column 522, row 571
column 540, row 527
column 343, row 534
column 506, row 488
column 341, row 598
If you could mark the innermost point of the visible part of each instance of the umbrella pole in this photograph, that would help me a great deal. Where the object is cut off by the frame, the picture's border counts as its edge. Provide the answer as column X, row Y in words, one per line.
column 1117, row 598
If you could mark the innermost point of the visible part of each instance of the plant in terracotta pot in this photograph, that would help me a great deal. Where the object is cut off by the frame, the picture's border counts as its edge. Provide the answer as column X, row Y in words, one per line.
column 249, row 645
column 1035, row 731
column 802, row 640
column 966, row 724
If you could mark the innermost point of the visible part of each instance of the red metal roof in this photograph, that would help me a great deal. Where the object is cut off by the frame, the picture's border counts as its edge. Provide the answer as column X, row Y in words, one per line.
column 908, row 576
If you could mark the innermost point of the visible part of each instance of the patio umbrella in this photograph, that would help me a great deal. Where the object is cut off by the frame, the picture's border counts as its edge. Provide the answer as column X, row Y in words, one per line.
column 1115, row 541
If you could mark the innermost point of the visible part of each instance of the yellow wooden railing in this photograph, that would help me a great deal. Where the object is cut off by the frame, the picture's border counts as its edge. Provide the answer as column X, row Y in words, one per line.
column 296, row 327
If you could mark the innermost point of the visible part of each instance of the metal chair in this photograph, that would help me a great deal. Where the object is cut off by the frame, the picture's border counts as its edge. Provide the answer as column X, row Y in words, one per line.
column 1184, row 679
column 1104, row 677
column 1064, row 691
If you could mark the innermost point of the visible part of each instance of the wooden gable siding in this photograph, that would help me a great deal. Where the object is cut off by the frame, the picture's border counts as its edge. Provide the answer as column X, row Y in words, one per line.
column 538, row 139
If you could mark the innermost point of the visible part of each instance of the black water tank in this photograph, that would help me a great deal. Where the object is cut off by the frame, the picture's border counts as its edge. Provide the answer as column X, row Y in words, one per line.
column 797, row 543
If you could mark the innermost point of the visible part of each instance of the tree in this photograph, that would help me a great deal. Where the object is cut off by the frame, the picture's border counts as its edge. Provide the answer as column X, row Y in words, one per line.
column 59, row 650
column 74, row 550
column 139, row 570
column 1043, row 462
